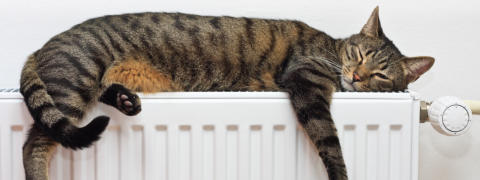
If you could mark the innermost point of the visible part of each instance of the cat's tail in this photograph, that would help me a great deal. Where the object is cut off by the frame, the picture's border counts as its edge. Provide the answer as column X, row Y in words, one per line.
column 49, row 118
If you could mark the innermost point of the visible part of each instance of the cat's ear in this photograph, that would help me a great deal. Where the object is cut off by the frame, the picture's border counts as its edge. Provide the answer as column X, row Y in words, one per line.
column 416, row 66
column 373, row 27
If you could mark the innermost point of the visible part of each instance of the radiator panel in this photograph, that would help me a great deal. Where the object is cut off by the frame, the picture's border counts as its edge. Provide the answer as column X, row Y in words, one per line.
column 228, row 135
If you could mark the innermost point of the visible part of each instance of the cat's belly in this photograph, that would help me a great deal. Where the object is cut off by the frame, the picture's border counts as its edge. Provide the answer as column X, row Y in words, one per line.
column 142, row 76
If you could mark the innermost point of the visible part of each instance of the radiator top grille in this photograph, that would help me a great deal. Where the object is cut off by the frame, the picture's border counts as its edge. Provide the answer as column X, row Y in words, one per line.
column 13, row 93
column 13, row 90
column 8, row 90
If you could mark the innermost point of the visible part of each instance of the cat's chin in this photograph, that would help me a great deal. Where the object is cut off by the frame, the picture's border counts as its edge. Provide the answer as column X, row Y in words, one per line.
column 347, row 86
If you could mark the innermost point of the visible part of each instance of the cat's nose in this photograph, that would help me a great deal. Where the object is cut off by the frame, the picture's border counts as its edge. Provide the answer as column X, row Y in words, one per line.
column 356, row 77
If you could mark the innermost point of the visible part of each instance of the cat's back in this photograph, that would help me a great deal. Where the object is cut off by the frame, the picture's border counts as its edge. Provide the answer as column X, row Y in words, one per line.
column 135, row 32
column 150, row 23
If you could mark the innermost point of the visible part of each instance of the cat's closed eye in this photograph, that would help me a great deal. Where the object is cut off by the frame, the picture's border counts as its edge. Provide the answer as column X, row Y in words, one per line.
column 380, row 75
column 369, row 52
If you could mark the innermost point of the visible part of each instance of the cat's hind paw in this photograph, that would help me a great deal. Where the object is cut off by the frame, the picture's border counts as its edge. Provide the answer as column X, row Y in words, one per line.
column 128, row 103
column 123, row 99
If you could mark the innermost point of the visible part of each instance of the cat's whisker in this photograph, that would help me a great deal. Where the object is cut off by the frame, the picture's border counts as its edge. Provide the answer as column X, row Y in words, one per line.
column 331, row 53
column 335, row 65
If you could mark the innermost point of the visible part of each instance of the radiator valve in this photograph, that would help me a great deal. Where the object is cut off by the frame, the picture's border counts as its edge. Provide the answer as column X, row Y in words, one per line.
column 448, row 115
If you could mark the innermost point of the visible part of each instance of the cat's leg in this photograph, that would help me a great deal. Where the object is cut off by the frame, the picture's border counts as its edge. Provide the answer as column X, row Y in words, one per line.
column 123, row 99
column 310, row 86
column 37, row 152
column 135, row 74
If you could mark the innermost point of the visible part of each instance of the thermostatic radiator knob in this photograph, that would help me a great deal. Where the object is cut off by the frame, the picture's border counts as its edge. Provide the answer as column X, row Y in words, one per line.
column 450, row 116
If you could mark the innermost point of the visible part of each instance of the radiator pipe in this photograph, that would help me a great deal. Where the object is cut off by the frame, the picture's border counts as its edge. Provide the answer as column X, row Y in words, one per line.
column 473, row 105
column 424, row 111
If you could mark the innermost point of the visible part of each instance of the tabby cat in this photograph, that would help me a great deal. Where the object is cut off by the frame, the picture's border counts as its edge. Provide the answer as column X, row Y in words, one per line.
column 110, row 58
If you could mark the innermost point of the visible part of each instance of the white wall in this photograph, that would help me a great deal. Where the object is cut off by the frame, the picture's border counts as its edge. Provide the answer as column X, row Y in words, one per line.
column 446, row 30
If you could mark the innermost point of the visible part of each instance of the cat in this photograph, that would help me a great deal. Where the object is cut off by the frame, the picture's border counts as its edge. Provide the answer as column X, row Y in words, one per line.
column 110, row 58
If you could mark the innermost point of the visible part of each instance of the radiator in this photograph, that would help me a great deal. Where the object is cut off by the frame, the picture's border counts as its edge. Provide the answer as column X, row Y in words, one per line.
column 227, row 136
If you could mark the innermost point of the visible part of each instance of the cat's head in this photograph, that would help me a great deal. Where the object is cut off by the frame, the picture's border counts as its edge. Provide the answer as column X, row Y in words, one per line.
column 371, row 62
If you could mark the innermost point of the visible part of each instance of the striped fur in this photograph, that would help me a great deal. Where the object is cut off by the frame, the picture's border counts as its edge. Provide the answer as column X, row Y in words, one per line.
column 110, row 57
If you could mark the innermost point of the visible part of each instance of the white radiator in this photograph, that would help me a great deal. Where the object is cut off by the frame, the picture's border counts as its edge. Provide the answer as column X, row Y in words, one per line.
column 227, row 136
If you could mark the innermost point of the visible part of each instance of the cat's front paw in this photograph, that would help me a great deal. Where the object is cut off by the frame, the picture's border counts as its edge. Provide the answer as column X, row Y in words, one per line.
column 338, row 174
column 335, row 167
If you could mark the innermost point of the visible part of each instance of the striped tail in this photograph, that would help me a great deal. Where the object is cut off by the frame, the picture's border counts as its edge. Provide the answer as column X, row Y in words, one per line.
column 49, row 118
